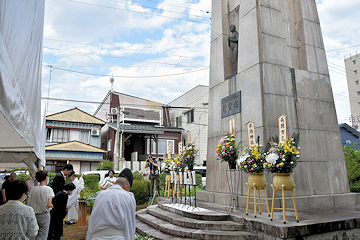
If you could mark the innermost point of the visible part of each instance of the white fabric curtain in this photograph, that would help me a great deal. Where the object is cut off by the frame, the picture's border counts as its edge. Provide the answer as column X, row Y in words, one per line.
column 21, row 34
column 74, row 135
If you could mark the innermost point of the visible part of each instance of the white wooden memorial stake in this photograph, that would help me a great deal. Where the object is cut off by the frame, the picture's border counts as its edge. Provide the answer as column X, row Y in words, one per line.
column 251, row 133
column 282, row 128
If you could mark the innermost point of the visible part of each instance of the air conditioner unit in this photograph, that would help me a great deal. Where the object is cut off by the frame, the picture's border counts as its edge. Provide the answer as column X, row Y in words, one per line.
column 95, row 132
column 113, row 111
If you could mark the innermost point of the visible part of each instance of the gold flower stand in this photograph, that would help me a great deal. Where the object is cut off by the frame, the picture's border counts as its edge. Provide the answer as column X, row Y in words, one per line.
column 283, row 182
column 257, row 182
column 167, row 185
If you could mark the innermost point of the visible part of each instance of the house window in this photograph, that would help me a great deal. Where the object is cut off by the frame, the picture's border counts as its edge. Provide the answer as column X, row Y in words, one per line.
column 59, row 135
column 355, row 71
column 357, row 82
column 162, row 146
column 109, row 145
column 354, row 61
column 190, row 116
column 80, row 136
column 348, row 142
column 178, row 121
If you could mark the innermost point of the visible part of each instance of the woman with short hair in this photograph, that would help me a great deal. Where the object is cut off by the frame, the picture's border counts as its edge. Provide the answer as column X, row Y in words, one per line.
column 17, row 221
column 40, row 198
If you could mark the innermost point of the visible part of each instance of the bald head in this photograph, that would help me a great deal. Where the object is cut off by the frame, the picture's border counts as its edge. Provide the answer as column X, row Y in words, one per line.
column 123, row 182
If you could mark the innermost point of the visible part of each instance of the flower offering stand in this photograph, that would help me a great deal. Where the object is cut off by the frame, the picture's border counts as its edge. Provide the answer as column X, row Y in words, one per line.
column 167, row 185
column 82, row 214
column 256, row 182
column 287, row 185
column 233, row 179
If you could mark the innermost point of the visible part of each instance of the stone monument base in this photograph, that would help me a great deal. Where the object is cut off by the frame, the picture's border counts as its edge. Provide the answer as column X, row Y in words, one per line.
column 302, row 202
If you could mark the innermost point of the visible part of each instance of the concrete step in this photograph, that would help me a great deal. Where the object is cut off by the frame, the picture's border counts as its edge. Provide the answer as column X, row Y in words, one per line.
column 206, row 215
column 145, row 230
column 193, row 223
column 184, row 232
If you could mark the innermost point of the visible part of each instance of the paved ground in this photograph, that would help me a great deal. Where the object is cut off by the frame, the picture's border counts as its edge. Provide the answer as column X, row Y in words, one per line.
column 306, row 217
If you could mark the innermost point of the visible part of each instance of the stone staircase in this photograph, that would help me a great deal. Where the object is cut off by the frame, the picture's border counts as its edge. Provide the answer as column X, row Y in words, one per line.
column 168, row 222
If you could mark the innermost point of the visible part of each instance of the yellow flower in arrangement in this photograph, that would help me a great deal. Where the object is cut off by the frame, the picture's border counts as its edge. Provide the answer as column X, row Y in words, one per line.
column 232, row 139
column 283, row 157
column 252, row 159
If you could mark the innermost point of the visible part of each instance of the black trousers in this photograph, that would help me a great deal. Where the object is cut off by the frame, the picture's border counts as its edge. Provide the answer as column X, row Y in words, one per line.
column 156, row 178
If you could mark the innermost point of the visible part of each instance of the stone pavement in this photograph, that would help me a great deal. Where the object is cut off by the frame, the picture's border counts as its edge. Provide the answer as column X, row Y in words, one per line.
column 329, row 223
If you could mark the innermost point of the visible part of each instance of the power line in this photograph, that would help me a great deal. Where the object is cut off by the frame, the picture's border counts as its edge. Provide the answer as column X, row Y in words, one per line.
column 156, row 8
column 131, row 59
column 103, row 75
column 124, row 9
column 124, row 105
column 129, row 49
column 333, row 50
column 179, row 6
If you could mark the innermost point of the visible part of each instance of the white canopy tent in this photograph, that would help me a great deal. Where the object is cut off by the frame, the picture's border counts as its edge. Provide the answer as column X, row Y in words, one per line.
column 21, row 132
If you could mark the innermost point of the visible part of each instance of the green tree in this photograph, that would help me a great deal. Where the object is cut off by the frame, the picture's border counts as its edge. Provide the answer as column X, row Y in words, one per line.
column 106, row 165
column 352, row 159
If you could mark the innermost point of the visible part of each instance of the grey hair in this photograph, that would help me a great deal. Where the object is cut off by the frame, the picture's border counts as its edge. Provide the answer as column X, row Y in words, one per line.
column 122, row 181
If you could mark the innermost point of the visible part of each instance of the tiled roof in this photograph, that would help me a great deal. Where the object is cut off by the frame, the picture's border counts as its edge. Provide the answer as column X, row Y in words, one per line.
column 74, row 115
column 74, row 146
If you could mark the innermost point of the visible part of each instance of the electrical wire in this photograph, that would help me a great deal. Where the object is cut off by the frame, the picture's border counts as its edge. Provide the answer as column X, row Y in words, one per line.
column 104, row 75
column 179, row 6
column 333, row 50
column 128, row 10
column 155, row 8
column 89, row 44
column 131, row 59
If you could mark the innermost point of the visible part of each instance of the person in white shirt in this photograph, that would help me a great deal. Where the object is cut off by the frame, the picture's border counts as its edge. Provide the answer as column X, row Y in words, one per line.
column 113, row 214
column 72, row 203
column 40, row 198
column 109, row 179
column 17, row 221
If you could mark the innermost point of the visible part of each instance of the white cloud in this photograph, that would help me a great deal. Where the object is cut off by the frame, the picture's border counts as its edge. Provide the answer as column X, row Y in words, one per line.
column 130, row 35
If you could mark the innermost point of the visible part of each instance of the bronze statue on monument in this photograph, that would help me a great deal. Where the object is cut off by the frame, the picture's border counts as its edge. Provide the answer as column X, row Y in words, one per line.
column 233, row 44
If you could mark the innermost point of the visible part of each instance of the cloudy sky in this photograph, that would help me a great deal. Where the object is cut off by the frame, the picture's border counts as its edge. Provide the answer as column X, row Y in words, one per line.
column 157, row 49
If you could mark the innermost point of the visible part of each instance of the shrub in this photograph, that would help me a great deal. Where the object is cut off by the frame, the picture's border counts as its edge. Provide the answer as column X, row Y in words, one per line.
column 199, row 180
column 141, row 190
column 106, row 165
column 51, row 178
column 23, row 176
column 142, row 158
column 352, row 159
column 138, row 176
column 162, row 177
column 91, row 182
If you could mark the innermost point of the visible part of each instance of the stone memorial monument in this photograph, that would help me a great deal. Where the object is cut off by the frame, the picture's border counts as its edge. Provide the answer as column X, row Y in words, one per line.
column 281, row 68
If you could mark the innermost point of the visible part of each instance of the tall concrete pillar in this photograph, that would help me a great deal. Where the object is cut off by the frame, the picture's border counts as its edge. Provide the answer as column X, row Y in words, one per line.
column 281, row 69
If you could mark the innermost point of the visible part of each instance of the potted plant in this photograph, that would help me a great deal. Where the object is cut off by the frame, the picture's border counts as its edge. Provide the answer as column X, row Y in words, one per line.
column 252, row 161
column 188, row 155
column 281, row 159
column 227, row 150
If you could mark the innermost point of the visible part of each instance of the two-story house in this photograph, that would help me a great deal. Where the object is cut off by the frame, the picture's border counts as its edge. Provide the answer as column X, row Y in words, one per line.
column 73, row 136
column 144, row 127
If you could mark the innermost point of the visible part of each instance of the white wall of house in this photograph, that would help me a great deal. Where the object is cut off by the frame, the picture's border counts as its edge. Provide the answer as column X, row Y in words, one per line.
column 197, row 100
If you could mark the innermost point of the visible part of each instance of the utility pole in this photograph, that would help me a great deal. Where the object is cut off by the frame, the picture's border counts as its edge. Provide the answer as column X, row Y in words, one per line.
column 117, row 150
